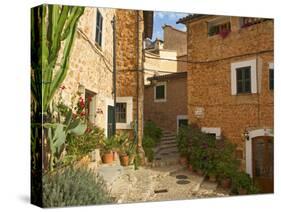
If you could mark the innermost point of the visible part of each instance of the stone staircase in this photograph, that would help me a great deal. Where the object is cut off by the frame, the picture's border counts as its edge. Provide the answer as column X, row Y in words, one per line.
column 166, row 153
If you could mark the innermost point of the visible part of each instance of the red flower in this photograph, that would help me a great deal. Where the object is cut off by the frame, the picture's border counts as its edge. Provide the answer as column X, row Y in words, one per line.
column 82, row 114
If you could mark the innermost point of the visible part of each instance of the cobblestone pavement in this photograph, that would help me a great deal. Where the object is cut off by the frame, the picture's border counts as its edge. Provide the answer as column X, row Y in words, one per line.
column 159, row 184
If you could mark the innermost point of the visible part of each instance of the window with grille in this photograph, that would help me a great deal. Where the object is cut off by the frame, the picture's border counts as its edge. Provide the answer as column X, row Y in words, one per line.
column 121, row 112
column 243, row 77
column 214, row 29
column 99, row 21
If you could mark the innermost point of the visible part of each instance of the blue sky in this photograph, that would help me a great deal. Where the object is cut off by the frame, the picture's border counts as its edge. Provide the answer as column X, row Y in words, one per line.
column 170, row 18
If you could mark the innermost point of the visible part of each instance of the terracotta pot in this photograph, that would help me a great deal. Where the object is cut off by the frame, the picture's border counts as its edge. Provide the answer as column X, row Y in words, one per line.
column 225, row 183
column 200, row 172
column 124, row 160
column 189, row 167
column 107, row 158
column 212, row 178
column 242, row 191
column 183, row 161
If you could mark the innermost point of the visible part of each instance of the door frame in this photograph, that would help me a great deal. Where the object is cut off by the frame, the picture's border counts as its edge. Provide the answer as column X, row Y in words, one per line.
column 265, row 132
column 180, row 117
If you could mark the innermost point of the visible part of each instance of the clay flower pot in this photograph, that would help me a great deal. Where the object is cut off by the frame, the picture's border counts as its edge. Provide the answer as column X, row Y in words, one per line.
column 242, row 191
column 124, row 160
column 200, row 172
column 107, row 158
column 212, row 178
column 183, row 160
column 225, row 183
column 190, row 168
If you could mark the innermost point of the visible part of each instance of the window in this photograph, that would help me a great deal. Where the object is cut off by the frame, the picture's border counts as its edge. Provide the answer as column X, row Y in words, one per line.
column 121, row 112
column 219, row 25
column 160, row 92
column 99, row 28
column 271, row 76
column 243, row 79
column 212, row 131
column 90, row 105
column 124, row 112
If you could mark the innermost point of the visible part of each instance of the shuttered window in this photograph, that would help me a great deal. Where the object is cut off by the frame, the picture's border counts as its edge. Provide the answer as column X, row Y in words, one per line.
column 271, row 78
column 99, row 21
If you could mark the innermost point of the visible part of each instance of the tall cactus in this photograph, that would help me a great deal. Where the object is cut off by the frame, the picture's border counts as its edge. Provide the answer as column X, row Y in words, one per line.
column 53, row 29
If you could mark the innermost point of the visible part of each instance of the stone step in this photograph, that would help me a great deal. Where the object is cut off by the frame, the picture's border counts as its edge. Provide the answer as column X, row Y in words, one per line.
column 165, row 146
column 167, row 150
column 168, row 136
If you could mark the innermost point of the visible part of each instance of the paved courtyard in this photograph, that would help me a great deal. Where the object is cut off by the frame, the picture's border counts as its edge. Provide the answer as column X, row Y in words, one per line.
column 173, row 182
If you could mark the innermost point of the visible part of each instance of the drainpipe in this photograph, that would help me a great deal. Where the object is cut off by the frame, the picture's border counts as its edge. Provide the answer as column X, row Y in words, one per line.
column 113, row 22
column 138, row 140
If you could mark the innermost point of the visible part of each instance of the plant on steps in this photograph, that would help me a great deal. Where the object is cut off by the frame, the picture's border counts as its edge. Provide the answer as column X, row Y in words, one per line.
column 73, row 187
column 151, row 137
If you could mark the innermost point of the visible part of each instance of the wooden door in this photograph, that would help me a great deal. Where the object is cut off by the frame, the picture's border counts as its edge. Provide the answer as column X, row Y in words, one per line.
column 263, row 158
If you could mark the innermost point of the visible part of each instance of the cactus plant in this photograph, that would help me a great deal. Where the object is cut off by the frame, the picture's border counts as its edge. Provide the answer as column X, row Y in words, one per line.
column 51, row 26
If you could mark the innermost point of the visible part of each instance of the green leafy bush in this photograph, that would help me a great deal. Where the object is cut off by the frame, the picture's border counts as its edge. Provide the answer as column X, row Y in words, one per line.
column 152, row 136
column 242, row 180
column 152, row 131
column 182, row 141
column 73, row 187
column 82, row 145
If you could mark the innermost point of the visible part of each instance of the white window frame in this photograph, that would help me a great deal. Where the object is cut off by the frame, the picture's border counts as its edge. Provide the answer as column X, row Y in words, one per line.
column 165, row 92
column 129, row 112
column 181, row 117
column 213, row 130
column 252, row 63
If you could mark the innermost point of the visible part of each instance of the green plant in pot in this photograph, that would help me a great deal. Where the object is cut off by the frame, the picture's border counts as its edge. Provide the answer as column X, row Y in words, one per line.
column 123, row 142
column 182, row 145
column 243, row 184
column 107, row 147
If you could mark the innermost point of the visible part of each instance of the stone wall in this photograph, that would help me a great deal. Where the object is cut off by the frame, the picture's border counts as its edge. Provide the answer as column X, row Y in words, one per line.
column 91, row 65
column 209, row 83
column 181, row 64
column 174, row 39
column 129, row 60
column 164, row 114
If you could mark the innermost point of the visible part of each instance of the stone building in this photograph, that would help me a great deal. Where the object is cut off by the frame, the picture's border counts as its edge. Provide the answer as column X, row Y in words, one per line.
column 91, row 67
column 230, row 86
column 132, row 27
column 165, row 101
column 161, row 56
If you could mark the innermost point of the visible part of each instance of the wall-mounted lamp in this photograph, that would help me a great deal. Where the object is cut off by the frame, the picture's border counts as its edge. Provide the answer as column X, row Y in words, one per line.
column 246, row 135
column 81, row 89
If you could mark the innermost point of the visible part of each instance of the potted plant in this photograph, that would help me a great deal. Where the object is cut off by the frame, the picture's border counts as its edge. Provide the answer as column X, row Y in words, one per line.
column 182, row 145
column 107, row 147
column 125, row 148
column 242, row 183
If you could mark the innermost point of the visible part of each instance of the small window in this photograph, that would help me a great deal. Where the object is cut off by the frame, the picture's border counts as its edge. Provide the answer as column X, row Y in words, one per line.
column 160, row 92
column 271, row 78
column 99, row 28
column 214, row 29
column 89, row 106
column 121, row 112
column 243, row 77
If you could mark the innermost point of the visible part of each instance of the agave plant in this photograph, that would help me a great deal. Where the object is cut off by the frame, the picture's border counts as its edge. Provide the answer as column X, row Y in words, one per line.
column 51, row 26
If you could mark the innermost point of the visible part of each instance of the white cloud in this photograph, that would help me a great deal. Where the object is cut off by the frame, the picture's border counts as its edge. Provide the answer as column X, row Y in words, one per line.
column 160, row 14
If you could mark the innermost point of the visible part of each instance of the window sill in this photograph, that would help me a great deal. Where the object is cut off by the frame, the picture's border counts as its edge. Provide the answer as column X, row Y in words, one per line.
column 123, row 126
column 160, row 100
